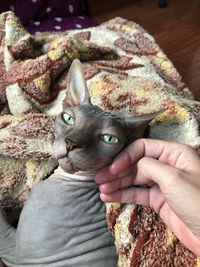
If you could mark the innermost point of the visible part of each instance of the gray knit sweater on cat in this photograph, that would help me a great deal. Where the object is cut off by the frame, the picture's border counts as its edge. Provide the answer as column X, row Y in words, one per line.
column 63, row 224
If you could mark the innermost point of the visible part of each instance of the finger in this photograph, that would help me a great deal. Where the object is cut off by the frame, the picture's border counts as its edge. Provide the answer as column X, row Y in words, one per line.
column 148, row 197
column 130, row 195
column 134, row 152
column 149, row 172
column 117, row 184
column 165, row 176
column 124, row 182
column 173, row 154
column 104, row 175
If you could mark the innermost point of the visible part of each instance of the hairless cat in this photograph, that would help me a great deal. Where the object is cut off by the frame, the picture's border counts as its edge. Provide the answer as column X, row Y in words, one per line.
column 63, row 222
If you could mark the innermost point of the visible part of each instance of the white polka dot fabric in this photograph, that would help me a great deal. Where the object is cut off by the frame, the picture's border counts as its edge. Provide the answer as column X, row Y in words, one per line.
column 50, row 15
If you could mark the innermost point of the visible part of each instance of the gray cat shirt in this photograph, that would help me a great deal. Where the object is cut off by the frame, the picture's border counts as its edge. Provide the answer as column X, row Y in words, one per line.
column 63, row 223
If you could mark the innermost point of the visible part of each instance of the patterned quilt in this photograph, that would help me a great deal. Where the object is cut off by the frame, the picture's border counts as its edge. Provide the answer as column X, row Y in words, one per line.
column 125, row 70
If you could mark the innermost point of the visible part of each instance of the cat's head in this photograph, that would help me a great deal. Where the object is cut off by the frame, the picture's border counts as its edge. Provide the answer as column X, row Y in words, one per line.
column 86, row 137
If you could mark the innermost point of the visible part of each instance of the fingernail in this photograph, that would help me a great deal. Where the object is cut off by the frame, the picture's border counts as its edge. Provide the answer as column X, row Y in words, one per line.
column 97, row 177
column 100, row 188
column 112, row 169
column 102, row 196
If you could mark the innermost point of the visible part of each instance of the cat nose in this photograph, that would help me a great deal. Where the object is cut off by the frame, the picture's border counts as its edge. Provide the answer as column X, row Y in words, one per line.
column 71, row 144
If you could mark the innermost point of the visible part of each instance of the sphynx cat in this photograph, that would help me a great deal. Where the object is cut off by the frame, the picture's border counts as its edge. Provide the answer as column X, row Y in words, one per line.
column 63, row 222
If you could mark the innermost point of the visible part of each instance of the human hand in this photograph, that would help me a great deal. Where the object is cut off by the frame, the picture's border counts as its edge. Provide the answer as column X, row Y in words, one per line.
column 172, row 172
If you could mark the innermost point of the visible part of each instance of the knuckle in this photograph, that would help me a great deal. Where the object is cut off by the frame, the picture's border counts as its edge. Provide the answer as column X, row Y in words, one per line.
column 172, row 180
column 183, row 147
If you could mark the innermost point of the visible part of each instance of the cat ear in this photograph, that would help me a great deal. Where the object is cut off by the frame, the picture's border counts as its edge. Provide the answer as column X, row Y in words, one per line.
column 77, row 91
column 136, row 126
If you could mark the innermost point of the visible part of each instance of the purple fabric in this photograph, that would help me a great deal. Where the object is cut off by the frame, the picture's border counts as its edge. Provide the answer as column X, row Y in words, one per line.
column 50, row 15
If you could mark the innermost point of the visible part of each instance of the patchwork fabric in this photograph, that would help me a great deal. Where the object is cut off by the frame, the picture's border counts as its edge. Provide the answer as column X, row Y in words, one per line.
column 126, row 71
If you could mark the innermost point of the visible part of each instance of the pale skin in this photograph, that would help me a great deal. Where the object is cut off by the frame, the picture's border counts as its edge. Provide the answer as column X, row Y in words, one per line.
column 172, row 172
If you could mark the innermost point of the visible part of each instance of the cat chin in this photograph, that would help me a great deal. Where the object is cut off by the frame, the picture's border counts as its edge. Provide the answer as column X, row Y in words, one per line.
column 66, row 165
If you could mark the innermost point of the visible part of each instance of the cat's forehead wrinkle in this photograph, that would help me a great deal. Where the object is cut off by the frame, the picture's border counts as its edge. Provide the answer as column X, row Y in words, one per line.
column 97, row 111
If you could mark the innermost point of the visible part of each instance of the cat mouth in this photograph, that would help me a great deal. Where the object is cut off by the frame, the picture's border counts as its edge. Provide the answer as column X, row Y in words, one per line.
column 66, row 164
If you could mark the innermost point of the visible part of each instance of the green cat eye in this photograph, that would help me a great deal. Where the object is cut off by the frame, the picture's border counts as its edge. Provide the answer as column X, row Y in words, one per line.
column 109, row 139
column 68, row 119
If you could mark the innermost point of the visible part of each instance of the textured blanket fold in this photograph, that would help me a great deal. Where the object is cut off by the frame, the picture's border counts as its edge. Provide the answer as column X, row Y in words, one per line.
column 126, row 71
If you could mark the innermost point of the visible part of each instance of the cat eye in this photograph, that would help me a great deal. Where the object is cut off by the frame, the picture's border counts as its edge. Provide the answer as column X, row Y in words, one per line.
column 68, row 119
column 109, row 139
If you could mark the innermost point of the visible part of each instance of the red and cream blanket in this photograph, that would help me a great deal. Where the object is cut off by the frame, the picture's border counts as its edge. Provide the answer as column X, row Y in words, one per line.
column 125, row 70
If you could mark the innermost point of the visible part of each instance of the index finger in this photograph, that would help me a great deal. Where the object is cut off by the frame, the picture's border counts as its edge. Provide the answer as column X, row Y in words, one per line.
column 122, row 163
column 144, row 148
column 104, row 175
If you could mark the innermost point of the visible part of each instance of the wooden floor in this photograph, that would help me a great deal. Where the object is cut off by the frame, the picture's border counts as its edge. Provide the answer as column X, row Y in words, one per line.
column 176, row 29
